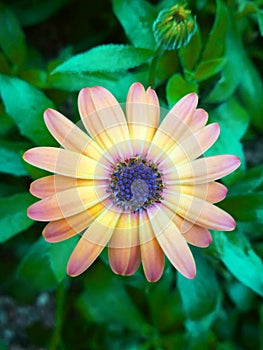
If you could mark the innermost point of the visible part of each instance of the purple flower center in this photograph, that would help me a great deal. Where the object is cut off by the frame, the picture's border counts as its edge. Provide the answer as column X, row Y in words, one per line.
column 135, row 184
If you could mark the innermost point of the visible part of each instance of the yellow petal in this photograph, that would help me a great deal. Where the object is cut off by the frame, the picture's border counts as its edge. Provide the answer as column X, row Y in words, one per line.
column 105, row 121
column 174, row 125
column 171, row 241
column 143, row 113
column 202, row 170
column 62, row 229
column 92, row 242
column 193, row 146
column 124, row 250
column 49, row 185
column 151, row 253
column 67, row 203
column 67, row 163
column 199, row 212
column 194, row 234
column 211, row 191
column 70, row 136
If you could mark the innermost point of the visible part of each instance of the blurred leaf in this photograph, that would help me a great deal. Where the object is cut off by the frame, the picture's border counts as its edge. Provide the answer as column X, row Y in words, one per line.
column 233, row 121
column 7, row 123
column 31, row 12
column 75, row 82
column 200, row 295
column 106, row 58
column 36, row 77
column 137, row 17
column 4, row 64
column 215, row 45
column 248, row 181
column 260, row 21
column 13, row 218
column 246, row 207
column 232, row 71
column 190, row 53
column 167, row 64
column 177, row 87
column 171, row 314
column 105, row 300
column 26, row 104
column 36, row 268
column 59, row 255
column 251, row 91
column 206, row 69
column 242, row 261
column 10, row 158
column 241, row 296
column 12, row 40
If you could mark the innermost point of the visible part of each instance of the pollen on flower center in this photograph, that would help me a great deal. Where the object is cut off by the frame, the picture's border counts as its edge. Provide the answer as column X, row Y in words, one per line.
column 135, row 184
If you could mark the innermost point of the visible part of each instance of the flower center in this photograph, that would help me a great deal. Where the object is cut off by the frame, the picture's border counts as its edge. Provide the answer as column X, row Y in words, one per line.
column 135, row 184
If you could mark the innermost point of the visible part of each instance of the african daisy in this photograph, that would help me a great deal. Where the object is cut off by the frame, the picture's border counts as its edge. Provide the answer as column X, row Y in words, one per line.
column 142, row 190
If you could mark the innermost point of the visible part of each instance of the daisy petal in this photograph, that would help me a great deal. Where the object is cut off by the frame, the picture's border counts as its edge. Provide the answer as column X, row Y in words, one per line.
column 143, row 113
column 62, row 229
column 174, row 125
column 49, row 185
column 171, row 241
column 203, row 170
column 194, row 145
column 65, row 162
column 70, row 136
column 151, row 253
column 198, row 120
column 194, row 234
column 92, row 242
column 124, row 250
column 211, row 191
column 199, row 212
column 66, row 203
column 104, row 120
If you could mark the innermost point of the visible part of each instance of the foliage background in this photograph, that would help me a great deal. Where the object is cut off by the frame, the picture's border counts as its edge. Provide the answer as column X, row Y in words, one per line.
column 41, row 308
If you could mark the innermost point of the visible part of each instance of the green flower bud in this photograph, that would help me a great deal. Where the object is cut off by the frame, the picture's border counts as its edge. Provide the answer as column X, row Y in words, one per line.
column 174, row 27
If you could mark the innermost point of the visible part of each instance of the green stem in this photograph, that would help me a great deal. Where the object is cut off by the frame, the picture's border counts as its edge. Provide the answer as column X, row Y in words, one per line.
column 55, row 342
column 153, row 65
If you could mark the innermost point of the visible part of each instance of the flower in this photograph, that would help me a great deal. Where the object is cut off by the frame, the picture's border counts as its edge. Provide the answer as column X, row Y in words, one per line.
column 142, row 190
column 174, row 27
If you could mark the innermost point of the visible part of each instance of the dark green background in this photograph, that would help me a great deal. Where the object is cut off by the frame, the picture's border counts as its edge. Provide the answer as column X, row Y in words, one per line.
column 41, row 308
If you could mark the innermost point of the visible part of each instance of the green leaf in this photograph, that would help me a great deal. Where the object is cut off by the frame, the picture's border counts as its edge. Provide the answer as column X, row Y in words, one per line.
column 59, row 255
column 249, row 181
column 251, row 91
column 246, row 207
column 106, row 58
column 74, row 82
column 260, row 21
column 105, row 300
column 137, row 17
column 26, row 104
column 12, row 40
column 177, row 87
column 171, row 314
column 31, row 12
column 13, row 217
column 233, row 121
column 35, row 266
column 242, row 261
column 207, row 69
column 200, row 295
column 10, row 158
column 190, row 53
column 215, row 45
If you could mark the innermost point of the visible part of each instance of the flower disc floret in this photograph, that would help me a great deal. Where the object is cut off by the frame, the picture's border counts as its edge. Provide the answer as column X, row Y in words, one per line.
column 136, row 184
